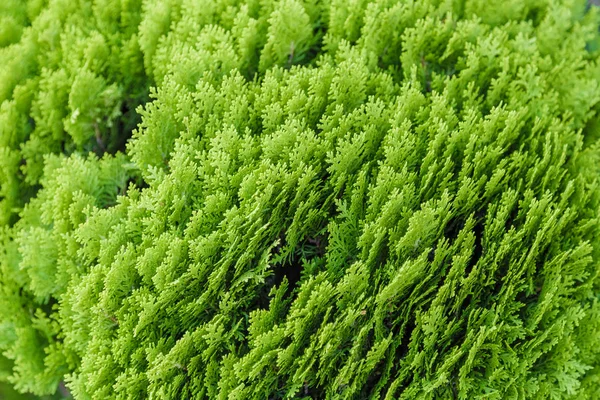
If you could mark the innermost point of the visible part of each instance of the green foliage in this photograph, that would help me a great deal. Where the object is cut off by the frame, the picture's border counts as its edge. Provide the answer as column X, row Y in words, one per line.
column 339, row 199
column 70, row 84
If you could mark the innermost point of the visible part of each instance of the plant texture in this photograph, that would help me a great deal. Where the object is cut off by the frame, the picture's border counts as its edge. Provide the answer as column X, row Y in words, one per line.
column 268, row 199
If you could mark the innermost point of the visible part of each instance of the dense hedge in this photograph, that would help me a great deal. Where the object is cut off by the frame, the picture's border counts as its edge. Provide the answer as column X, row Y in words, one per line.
column 300, row 199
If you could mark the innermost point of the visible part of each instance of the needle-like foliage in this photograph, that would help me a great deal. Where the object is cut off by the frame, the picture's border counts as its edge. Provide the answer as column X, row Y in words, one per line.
column 387, row 199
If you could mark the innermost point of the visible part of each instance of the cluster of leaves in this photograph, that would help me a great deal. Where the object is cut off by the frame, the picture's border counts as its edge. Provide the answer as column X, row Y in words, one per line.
column 71, row 76
column 322, row 199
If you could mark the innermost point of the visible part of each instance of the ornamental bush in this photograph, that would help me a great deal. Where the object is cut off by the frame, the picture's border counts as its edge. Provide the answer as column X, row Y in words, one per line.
column 264, row 199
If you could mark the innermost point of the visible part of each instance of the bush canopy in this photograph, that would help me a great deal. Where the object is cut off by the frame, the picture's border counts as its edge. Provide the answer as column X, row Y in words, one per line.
column 268, row 199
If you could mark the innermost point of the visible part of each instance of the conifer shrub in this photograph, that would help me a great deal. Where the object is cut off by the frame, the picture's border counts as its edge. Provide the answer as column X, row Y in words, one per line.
column 300, row 199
